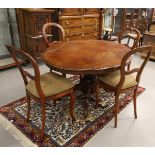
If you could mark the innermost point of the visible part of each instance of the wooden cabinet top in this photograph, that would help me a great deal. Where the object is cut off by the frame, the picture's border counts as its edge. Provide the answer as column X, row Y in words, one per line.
column 76, row 17
column 36, row 10
column 78, row 11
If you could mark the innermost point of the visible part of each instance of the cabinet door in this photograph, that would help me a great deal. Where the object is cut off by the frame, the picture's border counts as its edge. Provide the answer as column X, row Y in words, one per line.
column 70, row 11
column 91, row 11
column 38, row 22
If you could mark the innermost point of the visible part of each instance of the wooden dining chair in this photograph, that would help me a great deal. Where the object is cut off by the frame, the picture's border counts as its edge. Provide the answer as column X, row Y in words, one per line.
column 60, row 30
column 130, row 33
column 123, row 80
column 43, row 87
column 142, row 27
column 45, row 35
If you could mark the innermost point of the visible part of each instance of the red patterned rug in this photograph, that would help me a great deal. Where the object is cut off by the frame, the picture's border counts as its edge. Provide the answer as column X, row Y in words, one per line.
column 59, row 130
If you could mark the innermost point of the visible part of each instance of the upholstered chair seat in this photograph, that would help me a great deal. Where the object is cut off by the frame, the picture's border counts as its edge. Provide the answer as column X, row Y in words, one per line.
column 40, row 88
column 51, row 84
column 133, row 35
column 123, row 80
column 113, row 79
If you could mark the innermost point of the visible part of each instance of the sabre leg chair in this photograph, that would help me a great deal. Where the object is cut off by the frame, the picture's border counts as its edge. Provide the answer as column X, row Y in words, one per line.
column 45, row 35
column 123, row 80
column 43, row 87
column 130, row 33
column 49, row 42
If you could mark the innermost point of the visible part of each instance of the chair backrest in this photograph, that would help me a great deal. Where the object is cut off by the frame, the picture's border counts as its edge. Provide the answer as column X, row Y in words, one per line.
column 36, row 77
column 128, row 33
column 61, row 32
column 151, row 27
column 143, row 25
column 137, row 70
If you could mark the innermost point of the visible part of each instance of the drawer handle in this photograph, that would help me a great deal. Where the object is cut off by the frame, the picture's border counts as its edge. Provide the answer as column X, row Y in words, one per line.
column 67, row 23
column 82, row 19
column 83, row 35
column 95, row 35
column 67, row 32
column 67, row 39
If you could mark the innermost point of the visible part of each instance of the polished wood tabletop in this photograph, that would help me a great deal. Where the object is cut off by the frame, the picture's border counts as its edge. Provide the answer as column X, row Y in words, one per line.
column 84, row 56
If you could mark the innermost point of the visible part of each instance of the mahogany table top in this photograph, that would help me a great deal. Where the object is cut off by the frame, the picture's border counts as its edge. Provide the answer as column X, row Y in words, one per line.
column 84, row 56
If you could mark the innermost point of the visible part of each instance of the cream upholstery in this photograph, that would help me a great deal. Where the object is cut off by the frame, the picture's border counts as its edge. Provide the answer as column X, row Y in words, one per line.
column 113, row 79
column 133, row 36
column 51, row 84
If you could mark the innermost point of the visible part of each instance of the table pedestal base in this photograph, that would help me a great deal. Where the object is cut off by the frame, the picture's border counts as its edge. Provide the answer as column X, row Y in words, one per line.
column 88, row 84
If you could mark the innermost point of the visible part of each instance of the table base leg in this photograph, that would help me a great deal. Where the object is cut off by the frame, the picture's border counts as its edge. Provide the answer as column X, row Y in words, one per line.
column 87, row 83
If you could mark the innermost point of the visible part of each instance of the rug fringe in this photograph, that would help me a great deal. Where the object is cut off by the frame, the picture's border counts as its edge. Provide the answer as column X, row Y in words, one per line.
column 15, row 132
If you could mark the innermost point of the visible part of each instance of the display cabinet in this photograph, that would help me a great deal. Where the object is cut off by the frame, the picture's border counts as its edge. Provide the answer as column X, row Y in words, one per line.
column 8, row 36
column 30, row 22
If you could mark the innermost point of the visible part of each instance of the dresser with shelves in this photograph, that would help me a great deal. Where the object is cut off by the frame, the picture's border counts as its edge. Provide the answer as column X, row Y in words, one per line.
column 80, row 24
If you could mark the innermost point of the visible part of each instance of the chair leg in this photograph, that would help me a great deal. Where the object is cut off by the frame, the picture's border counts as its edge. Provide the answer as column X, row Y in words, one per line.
column 116, row 109
column 51, row 70
column 128, row 40
column 54, row 101
column 97, row 95
column 128, row 67
column 63, row 74
column 81, row 76
column 72, row 103
column 43, row 104
column 134, row 103
column 28, row 107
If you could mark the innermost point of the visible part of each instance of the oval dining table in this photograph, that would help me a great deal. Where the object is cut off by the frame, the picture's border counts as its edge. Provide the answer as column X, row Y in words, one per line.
column 84, row 57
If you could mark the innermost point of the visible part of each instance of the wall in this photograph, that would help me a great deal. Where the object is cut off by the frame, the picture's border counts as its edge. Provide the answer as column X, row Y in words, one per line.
column 5, row 37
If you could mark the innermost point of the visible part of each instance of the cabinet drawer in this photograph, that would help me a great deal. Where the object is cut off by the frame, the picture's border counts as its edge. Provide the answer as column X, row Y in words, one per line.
column 74, row 22
column 81, row 29
column 70, row 11
column 94, row 35
column 83, row 36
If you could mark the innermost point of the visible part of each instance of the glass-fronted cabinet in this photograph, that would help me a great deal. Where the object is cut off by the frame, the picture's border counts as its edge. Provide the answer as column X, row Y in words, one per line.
column 8, row 35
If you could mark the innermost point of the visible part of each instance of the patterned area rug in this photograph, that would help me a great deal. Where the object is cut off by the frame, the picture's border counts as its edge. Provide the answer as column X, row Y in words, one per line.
column 60, row 130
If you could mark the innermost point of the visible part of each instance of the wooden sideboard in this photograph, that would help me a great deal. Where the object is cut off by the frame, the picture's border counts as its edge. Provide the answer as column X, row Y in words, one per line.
column 81, row 24
column 149, row 39
column 30, row 22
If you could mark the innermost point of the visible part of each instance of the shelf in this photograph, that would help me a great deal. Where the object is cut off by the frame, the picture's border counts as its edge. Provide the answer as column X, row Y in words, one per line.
column 7, row 63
